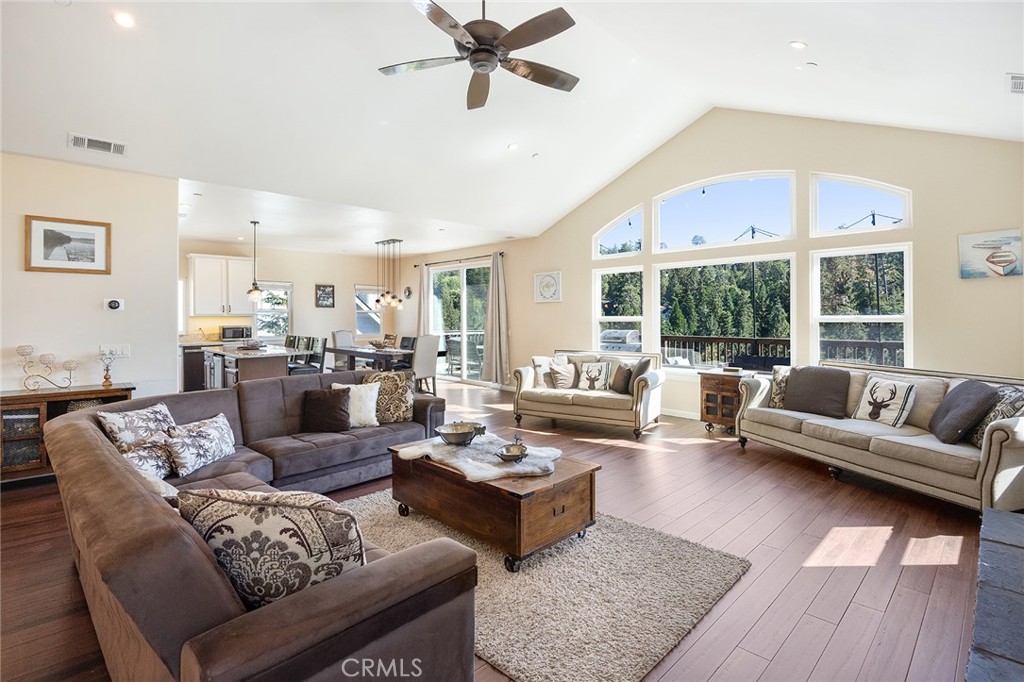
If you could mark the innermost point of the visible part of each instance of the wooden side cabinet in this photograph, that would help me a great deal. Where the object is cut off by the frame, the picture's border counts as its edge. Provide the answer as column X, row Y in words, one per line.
column 720, row 399
column 23, row 413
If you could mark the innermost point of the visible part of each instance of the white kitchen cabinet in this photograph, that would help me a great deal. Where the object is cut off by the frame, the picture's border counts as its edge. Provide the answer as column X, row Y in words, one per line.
column 219, row 285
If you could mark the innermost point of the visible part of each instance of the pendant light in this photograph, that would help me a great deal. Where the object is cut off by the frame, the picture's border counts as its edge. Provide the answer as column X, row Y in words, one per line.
column 389, row 259
column 255, row 293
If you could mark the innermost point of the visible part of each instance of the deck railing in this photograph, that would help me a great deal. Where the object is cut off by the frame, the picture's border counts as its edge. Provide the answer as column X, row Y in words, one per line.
column 723, row 350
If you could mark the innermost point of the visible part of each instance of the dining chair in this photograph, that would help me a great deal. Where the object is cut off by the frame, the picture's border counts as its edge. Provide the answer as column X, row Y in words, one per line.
column 340, row 339
column 453, row 346
column 313, row 363
column 407, row 343
column 389, row 340
column 424, row 361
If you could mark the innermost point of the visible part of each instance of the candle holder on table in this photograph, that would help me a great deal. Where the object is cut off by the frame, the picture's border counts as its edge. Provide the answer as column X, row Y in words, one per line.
column 39, row 371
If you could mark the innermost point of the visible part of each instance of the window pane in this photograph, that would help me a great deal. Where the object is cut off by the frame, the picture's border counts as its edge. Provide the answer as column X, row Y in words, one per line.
column 477, row 281
column 876, row 343
column 862, row 284
column 733, row 211
column 272, row 311
column 622, row 294
column 625, row 236
column 845, row 206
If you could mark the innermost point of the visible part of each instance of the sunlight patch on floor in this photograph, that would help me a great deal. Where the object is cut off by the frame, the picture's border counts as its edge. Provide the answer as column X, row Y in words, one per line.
column 623, row 443
column 850, row 546
column 685, row 441
column 938, row 550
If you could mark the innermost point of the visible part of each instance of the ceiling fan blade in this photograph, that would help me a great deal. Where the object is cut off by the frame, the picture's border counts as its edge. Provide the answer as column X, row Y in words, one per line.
column 444, row 21
column 541, row 27
column 418, row 65
column 479, row 86
column 540, row 73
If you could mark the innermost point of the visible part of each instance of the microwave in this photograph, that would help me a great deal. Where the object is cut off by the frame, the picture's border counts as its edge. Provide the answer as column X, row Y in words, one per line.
column 235, row 333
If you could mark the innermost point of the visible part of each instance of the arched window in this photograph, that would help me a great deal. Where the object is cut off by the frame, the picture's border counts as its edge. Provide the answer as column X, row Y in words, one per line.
column 625, row 236
column 846, row 204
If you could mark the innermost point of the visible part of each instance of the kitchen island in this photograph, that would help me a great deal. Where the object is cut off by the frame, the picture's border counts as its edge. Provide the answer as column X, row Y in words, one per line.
column 241, row 365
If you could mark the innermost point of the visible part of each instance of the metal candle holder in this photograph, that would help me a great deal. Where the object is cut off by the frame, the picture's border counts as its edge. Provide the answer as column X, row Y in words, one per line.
column 107, row 359
column 38, row 372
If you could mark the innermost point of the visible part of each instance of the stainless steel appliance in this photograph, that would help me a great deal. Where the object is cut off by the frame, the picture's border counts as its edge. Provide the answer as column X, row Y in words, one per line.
column 627, row 340
column 235, row 333
column 214, row 366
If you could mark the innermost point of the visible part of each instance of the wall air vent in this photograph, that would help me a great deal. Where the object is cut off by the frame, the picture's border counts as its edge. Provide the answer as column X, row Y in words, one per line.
column 76, row 141
column 1016, row 83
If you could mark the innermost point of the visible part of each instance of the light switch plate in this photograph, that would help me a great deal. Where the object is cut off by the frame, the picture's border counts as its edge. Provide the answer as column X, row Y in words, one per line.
column 118, row 350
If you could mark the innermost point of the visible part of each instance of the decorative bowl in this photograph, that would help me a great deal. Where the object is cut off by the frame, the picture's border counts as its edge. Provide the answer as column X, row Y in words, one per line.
column 513, row 452
column 459, row 433
column 378, row 344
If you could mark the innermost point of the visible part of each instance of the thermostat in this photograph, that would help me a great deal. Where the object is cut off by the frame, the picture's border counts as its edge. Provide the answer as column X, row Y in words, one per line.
column 114, row 303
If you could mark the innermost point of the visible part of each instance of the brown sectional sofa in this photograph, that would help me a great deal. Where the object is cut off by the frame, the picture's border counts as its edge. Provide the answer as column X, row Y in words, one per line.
column 909, row 456
column 163, row 609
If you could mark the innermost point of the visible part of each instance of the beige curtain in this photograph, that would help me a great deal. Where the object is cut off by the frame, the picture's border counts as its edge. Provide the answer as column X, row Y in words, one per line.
column 496, row 366
column 423, row 313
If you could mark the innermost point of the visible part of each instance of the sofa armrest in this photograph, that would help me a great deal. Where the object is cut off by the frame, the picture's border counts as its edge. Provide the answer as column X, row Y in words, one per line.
column 428, row 410
column 754, row 392
column 524, row 378
column 1002, row 465
column 313, row 632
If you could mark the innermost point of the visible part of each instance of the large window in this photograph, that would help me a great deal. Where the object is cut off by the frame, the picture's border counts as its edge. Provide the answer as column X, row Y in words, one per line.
column 367, row 318
column 458, row 313
column 273, row 311
column 861, row 302
column 623, row 237
column 736, row 210
column 620, row 308
column 726, row 313
column 844, row 204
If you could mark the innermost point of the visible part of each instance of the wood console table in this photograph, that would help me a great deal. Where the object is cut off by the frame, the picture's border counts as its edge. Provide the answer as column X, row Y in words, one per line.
column 23, row 412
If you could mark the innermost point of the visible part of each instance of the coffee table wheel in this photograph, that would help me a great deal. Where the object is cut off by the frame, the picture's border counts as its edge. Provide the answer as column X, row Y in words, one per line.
column 582, row 534
column 731, row 430
column 511, row 565
column 709, row 427
column 403, row 509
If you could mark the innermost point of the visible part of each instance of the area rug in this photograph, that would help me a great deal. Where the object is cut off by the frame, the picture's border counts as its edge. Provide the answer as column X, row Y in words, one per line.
column 607, row 607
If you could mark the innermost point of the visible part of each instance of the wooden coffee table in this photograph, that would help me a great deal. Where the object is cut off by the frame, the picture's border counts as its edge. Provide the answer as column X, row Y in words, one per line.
column 519, row 516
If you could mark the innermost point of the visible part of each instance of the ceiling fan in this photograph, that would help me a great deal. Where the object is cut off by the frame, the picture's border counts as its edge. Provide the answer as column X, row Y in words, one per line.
column 486, row 45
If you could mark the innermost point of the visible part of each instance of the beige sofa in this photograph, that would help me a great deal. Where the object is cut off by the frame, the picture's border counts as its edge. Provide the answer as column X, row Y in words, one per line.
column 535, row 396
column 909, row 456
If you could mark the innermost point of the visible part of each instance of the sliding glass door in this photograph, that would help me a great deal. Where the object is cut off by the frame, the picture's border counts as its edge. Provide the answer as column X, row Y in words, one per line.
column 458, row 311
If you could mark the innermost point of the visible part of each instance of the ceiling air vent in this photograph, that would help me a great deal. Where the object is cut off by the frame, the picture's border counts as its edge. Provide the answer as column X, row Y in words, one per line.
column 76, row 141
column 1016, row 83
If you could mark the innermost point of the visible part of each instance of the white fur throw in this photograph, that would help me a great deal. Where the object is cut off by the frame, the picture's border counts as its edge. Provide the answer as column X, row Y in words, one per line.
column 479, row 462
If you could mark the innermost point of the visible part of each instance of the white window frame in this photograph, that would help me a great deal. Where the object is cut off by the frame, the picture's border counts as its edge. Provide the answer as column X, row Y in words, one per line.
column 599, row 318
column 289, row 312
column 729, row 177
column 905, row 193
column 906, row 319
column 660, row 267
column 596, row 245
column 374, row 291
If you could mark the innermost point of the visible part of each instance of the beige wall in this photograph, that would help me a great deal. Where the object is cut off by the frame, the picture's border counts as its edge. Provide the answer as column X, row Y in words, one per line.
column 63, row 313
column 959, row 184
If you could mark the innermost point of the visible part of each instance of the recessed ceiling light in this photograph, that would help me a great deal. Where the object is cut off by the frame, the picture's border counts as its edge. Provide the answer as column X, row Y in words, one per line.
column 536, row 155
column 811, row 64
column 241, row 239
column 512, row 146
column 440, row 229
column 797, row 44
column 124, row 20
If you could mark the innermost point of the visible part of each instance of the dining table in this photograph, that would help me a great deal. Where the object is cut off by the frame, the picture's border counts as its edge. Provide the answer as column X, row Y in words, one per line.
column 383, row 358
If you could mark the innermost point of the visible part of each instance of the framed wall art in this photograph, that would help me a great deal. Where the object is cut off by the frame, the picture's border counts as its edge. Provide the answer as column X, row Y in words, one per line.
column 324, row 295
column 547, row 287
column 990, row 254
column 64, row 245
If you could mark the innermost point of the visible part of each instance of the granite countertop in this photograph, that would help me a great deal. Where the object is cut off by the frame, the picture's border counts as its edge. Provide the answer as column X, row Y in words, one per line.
column 265, row 352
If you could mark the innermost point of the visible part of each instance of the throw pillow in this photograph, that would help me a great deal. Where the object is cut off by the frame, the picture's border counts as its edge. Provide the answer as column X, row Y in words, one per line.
column 271, row 545
column 642, row 366
column 159, row 486
column 1011, row 404
column 542, row 371
column 128, row 429
column 325, row 410
column 780, row 377
column 362, row 404
column 961, row 410
column 152, row 456
column 395, row 397
column 818, row 390
column 621, row 379
column 594, row 376
column 197, row 444
column 884, row 401
column 563, row 376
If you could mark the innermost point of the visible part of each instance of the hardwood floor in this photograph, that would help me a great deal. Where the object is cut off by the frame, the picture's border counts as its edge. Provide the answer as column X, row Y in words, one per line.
column 850, row 580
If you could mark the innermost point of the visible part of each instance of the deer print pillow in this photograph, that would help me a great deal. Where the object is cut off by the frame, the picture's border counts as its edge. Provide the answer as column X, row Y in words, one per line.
column 885, row 401
column 594, row 376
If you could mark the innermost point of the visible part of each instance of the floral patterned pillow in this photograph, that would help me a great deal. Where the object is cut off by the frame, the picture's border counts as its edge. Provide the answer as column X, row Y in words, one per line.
column 1011, row 404
column 129, row 429
column 199, row 443
column 780, row 376
column 271, row 545
column 395, row 398
column 152, row 456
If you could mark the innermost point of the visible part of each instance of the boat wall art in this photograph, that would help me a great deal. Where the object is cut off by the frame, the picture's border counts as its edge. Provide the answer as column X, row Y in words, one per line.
column 991, row 254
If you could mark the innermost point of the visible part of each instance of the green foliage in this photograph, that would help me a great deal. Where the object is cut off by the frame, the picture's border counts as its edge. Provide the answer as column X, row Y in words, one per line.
column 622, row 294
column 448, row 290
column 625, row 247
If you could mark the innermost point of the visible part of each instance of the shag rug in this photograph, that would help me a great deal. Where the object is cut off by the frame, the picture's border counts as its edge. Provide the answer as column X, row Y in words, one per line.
column 605, row 607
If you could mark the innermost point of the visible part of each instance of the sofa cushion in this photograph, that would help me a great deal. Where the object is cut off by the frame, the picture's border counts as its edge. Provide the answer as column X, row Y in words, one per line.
column 960, row 459
column 780, row 377
column 563, row 376
column 1010, row 404
column 622, row 378
column 608, row 399
column 242, row 461
column 326, row 409
column 554, row 396
column 362, row 404
column 928, row 393
column 960, row 411
column 200, row 443
column 886, row 401
column 542, row 371
column 789, row 420
column 129, row 429
column 819, row 390
column 594, row 376
column 642, row 367
column 857, row 433
column 233, row 481
column 395, row 397
column 271, row 545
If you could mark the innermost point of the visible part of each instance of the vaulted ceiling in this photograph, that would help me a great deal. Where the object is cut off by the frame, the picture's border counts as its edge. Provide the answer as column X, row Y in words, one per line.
column 276, row 111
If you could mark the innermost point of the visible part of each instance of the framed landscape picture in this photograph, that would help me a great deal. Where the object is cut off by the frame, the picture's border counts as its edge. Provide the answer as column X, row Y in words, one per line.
column 990, row 254
column 324, row 295
column 63, row 245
